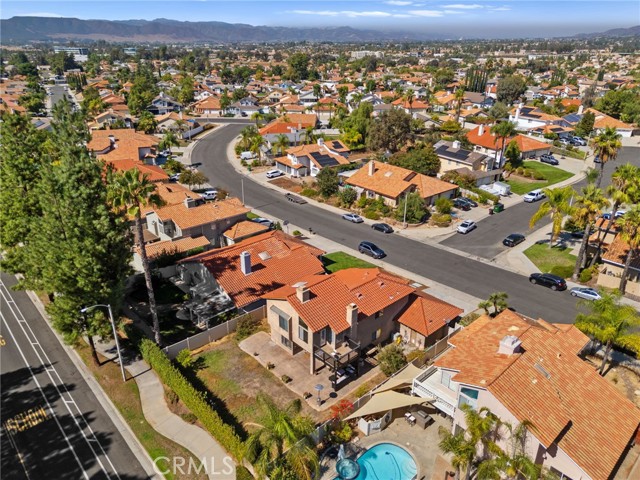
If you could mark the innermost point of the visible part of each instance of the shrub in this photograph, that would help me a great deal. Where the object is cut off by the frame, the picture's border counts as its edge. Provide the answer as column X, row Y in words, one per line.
column 309, row 192
column 371, row 214
column 184, row 358
column 361, row 391
column 520, row 170
column 564, row 271
column 246, row 327
column 586, row 275
column 341, row 433
column 347, row 196
column 255, row 163
column 242, row 473
column 189, row 417
column 469, row 319
column 363, row 202
column 271, row 366
column 194, row 400
column 538, row 176
column 286, row 378
column 243, row 163
column 296, row 233
column 172, row 397
column 443, row 205
column 413, row 354
column 391, row 359
column 441, row 219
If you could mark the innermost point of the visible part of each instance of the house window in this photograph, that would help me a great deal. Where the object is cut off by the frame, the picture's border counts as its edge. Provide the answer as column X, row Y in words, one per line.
column 446, row 379
column 376, row 335
column 303, row 332
column 329, row 335
column 283, row 322
column 379, row 314
column 559, row 474
column 468, row 396
column 285, row 341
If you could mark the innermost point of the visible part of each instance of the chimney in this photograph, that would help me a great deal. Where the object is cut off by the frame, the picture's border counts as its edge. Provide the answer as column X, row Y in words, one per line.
column 112, row 140
column 456, row 144
column 303, row 293
column 580, row 109
column 509, row 345
column 481, row 130
column 352, row 319
column 189, row 202
column 515, row 119
column 372, row 168
column 299, row 126
column 245, row 262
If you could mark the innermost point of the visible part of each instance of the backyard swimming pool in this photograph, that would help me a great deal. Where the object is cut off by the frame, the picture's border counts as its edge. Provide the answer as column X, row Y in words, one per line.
column 386, row 461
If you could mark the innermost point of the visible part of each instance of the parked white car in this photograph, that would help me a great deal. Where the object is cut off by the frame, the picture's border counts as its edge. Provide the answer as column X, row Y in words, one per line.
column 274, row 173
column 210, row 194
column 534, row 196
column 586, row 293
column 466, row 226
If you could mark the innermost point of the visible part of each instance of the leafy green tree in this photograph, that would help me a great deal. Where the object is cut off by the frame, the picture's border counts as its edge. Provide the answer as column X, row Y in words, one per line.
column 585, row 126
column 629, row 226
column 415, row 208
column 61, row 62
column 281, row 446
column 391, row 359
column 347, row 196
column 298, row 66
column 185, row 93
column 147, row 122
column 390, row 131
column 622, row 104
column 588, row 206
column 606, row 146
column 130, row 191
column 610, row 323
column 443, row 206
column 359, row 121
column 169, row 140
column 192, row 178
column 499, row 111
column 327, row 182
column 23, row 65
column 143, row 91
column 513, row 154
column 557, row 205
column 510, row 88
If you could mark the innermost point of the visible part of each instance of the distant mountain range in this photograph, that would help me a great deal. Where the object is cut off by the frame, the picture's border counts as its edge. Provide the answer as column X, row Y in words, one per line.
column 161, row 30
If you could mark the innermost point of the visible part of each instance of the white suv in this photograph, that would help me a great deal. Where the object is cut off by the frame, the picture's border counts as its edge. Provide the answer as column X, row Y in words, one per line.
column 274, row 173
column 534, row 196
column 210, row 194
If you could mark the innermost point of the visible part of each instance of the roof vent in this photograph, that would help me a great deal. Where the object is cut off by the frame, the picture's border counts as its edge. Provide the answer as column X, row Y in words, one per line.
column 509, row 345
column 541, row 369
column 299, row 284
column 264, row 255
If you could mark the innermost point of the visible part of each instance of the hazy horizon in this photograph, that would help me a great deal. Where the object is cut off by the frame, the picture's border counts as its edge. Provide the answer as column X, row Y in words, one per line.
column 454, row 18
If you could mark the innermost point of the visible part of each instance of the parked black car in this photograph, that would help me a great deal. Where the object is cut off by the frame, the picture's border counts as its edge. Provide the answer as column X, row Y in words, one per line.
column 461, row 204
column 469, row 201
column 371, row 249
column 554, row 282
column 382, row 227
column 513, row 240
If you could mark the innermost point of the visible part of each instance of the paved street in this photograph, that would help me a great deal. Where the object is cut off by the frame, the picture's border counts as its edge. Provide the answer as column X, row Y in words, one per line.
column 471, row 276
column 486, row 240
column 53, row 425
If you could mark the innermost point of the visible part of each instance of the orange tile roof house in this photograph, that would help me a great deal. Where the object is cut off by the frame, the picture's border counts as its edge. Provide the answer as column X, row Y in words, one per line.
column 525, row 369
column 304, row 160
column 123, row 144
column 254, row 267
column 291, row 125
column 613, row 264
column 192, row 217
column 391, row 183
column 488, row 143
column 333, row 317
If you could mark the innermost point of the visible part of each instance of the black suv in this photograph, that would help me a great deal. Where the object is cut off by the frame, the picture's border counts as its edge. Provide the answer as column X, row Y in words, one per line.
column 371, row 249
column 554, row 282
column 462, row 204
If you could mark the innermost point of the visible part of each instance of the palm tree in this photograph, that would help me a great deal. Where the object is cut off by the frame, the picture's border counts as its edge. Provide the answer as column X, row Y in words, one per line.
column 485, row 305
column 462, row 451
column 356, row 98
column 282, row 440
column 610, row 323
column 246, row 136
column 459, row 96
column 169, row 140
column 503, row 130
column 629, row 232
column 557, row 205
column 606, row 146
column 317, row 91
column 131, row 190
column 257, row 142
column 409, row 97
column 257, row 116
column 587, row 208
column 499, row 301
column 308, row 135
column 281, row 144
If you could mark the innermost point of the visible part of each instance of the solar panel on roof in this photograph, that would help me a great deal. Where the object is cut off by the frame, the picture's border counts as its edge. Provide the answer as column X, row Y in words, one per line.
column 456, row 154
column 336, row 144
column 572, row 118
column 324, row 160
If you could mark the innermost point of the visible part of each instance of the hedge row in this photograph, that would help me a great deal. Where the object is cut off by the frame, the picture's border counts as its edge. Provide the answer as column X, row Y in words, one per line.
column 192, row 398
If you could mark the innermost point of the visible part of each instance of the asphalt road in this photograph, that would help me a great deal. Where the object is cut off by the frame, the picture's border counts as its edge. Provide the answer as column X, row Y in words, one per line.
column 53, row 426
column 58, row 93
column 456, row 271
column 486, row 240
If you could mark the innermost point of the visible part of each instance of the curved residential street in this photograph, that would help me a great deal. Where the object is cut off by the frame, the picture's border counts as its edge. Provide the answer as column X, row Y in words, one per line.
column 457, row 271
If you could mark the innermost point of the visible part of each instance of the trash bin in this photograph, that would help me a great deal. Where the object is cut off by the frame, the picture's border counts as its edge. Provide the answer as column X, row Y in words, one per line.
column 498, row 207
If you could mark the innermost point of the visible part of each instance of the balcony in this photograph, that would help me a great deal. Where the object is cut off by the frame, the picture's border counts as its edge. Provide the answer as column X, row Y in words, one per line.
column 427, row 385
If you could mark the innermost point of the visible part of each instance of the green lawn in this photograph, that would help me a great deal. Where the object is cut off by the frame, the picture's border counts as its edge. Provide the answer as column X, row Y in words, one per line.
column 552, row 174
column 546, row 259
column 251, row 216
column 340, row 260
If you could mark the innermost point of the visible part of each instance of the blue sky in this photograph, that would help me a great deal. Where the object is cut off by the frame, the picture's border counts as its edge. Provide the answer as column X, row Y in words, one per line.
column 463, row 18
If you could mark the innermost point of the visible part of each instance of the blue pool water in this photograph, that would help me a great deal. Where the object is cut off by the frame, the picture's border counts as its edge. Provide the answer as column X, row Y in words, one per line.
column 386, row 461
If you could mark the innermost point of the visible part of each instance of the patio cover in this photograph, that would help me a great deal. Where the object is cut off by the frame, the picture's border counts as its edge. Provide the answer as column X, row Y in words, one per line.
column 402, row 379
column 385, row 401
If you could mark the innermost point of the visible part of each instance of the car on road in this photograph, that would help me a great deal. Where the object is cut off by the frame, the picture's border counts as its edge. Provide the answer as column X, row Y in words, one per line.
column 382, row 227
column 275, row 173
column 353, row 217
column 554, row 282
column 534, row 195
column 466, row 226
column 294, row 198
column 371, row 249
column 210, row 194
column 461, row 204
column 618, row 214
column 195, row 165
column 585, row 292
column 263, row 221
column 550, row 159
column 513, row 240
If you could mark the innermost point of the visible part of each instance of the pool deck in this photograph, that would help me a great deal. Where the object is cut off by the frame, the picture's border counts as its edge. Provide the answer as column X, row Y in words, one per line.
column 421, row 443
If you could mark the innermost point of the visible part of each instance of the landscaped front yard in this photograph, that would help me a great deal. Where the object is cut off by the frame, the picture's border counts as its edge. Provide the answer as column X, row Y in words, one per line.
column 557, row 260
column 552, row 174
column 339, row 261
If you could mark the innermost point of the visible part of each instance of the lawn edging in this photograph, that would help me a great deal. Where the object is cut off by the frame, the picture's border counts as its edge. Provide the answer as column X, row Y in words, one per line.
column 192, row 398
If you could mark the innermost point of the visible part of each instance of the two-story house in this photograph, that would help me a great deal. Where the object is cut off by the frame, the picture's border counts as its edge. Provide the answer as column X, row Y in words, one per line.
column 293, row 126
column 308, row 160
column 530, row 370
column 123, row 144
column 489, row 144
column 163, row 104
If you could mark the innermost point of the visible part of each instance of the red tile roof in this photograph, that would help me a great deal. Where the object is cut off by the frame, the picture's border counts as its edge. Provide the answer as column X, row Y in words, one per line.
column 546, row 383
column 178, row 246
column 185, row 217
column 492, row 142
column 245, row 228
column 426, row 314
column 284, row 261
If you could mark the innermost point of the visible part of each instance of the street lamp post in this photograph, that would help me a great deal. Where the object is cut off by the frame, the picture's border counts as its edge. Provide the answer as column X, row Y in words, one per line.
column 404, row 217
column 115, row 333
